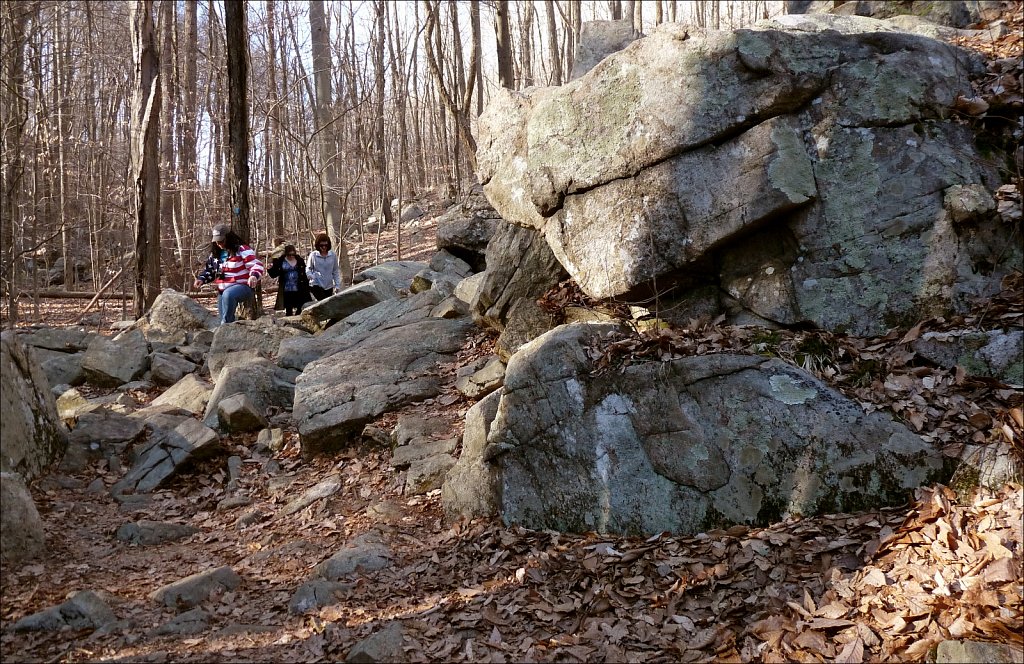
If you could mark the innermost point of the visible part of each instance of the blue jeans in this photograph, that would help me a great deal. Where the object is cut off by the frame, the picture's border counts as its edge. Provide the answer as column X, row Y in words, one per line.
column 228, row 300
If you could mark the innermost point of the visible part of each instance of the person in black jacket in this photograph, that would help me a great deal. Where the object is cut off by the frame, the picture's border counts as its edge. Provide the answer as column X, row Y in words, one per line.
column 293, row 285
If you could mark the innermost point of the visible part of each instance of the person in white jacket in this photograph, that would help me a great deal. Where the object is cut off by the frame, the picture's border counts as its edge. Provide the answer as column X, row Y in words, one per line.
column 322, row 268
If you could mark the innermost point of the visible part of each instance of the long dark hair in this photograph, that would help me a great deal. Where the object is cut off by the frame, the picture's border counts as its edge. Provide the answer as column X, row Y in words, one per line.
column 231, row 242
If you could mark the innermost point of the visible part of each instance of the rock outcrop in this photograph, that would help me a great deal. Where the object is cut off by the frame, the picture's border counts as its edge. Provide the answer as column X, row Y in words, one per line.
column 799, row 171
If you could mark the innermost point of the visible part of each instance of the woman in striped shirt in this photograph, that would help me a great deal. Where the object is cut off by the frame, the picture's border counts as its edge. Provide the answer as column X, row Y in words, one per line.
column 234, row 268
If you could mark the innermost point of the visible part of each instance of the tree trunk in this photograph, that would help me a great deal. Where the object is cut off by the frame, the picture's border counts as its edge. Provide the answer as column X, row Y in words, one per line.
column 145, row 127
column 174, row 251
column 503, row 44
column 326, row 133
column 13, row 116
column 188, row 178
column 553, row 53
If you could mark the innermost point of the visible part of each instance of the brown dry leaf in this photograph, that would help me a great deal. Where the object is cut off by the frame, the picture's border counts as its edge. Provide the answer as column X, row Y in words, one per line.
column 852, row 653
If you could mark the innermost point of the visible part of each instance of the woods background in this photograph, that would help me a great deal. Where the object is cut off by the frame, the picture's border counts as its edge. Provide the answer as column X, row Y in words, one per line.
column 348, row 104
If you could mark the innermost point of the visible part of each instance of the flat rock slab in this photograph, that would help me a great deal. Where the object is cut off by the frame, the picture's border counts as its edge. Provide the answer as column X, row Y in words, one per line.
column 317, row 593
column 63, row 339
column 191, row 393
column 103, row 428
column 165, row 452
column 193, row 590
column 962, row 652
column 85, row 610
column 425, row 475
column 321, row 490
column 353, row 330
column 346, row 302
column 149, row 533
column 335, row 398
column 364, row 554
column 21, row 530
column 397, row 273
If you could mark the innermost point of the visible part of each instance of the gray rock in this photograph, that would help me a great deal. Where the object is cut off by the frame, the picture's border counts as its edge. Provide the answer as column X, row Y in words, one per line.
column 258, row 337
column 525, row 321
column 324, row 489
column 447, row 263
column 169, row 368
column 238, row 414
column 103, row 429
column 598, row 40
column 995, row 353
column 63, row 339
column 65, row 369
column 71, row 404
column 450, row 307
column 799, row 126
column 84, row 610
column 471, row 488
column 21, row 530
column 687, row 445
column 385, row 645
column 466, row 235
column 317, row 593
column 412, row 427
column 520, row 265
column 365, row 554
column 984, row 469
column 189, row 622
column 442, row 282
column 271, row 439
column 175, row 313
column 398, row 274
column 426, row 474
column 347, row 302
column 193, row 590
column 469, row 288
column 483, row 381
column 971, row 652
column 114, row 362
column 297, row 353
column 164, row 453
column 421, row 449
column 234, row 502
column 336, row 397
column 150, row 533
column 191, row 393
column 32, row 436
column 264, row 384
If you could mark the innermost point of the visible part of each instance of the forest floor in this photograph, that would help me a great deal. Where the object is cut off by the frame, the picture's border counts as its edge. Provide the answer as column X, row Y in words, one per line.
column 883, row 585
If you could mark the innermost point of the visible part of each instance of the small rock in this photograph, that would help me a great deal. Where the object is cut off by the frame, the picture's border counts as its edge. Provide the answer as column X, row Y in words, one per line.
column 197, row 588
column 317, row 593
column 237, row 413
column 271, row 439
column 149, row 533
column 382, row 646
column 323, row 489
column 84, row 610
column 190, row 622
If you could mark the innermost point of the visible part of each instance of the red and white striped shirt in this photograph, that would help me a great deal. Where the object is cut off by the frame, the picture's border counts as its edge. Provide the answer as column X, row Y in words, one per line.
column 228, row 270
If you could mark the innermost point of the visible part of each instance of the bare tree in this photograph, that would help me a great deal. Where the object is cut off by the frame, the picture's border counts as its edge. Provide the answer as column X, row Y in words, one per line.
column 503, row 44
column 145, row 126
column 236, row 42
column 13, row 116
column 325, row 127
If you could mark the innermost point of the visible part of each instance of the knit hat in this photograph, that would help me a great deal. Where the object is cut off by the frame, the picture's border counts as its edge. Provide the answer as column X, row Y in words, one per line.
column 220, row 232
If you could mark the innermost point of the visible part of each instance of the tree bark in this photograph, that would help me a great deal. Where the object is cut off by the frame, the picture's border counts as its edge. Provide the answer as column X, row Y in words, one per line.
column 236, row 42
column 503, row 44
column 13, row 116
column 145, row 165
column 553, row 52
column 323, row 71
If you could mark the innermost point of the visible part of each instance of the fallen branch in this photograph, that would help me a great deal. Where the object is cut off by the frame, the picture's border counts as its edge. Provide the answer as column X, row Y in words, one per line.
column 98, row 295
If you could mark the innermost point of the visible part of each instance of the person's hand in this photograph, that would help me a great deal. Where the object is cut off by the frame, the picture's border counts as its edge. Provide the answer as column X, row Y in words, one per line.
column 253, row 280
column 196, row 285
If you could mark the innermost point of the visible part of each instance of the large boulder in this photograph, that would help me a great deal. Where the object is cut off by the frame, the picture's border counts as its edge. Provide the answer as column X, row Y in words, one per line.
column 174, row 314
column 828, row 134
column 32, row 436
column 260, row 338
column 21, row 530
column 265, row 384
column 687, row 445
column 397, row 273
column 466, row 227
column 335, row 397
